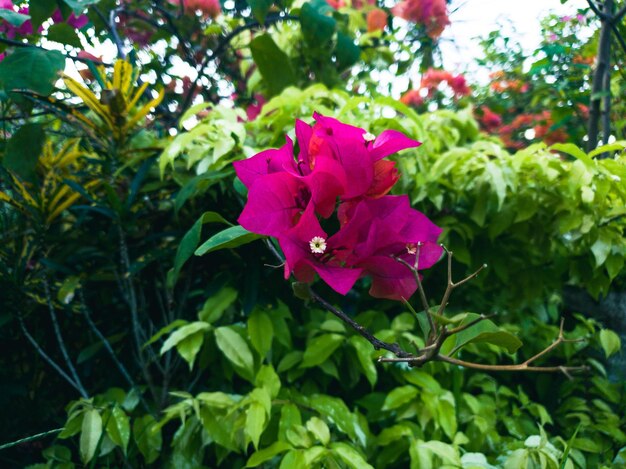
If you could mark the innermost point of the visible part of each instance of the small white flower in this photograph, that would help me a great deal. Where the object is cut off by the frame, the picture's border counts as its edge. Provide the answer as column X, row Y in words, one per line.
column 411, row 248
column 616, row 178
column 318, row 245
column 368, row 137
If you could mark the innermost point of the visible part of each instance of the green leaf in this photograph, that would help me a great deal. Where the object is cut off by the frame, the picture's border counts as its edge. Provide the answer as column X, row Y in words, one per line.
column 260, row 8
column 24, row 149
column 573, row 150
column 346, row 51
column 190, row 242
column 601, row 249
column 319, row 429
column 31, row 68
column 317, row 29
column 268, row 453
column 255, row 423
column 165, row 330
column 78, row 6
column 65, row 34
column 234, row 348
column 190, row 346
column 350, row 456
column 484, row 331
column 289, row 418
column 320, row 348
column 400, row 396
column 268, row 379
column 147, row 435
column 40, row 11
column 68, row 287
column 118, row 428
column 274, row 65
column 229, row 238
column 13, row 18
column 610, row 342
column 337, row 412
column 215, row 305
column 363, row 351
column 260, row 331
column 90, row 434
column 182, row 333
column 294, row 459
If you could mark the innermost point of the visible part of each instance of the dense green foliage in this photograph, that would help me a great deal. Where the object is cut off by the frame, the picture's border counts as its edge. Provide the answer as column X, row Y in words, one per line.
column 144, row 324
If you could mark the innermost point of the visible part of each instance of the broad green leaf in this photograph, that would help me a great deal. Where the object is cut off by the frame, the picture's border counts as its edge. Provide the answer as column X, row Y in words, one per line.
column 190, row 242
column 274, row 65
column 165, row 330
column 12, row 17
column 215, row 305
column 219, row 400
column 447, row 453
column 260, row 331
column 573, row 150
column 182, row 333
column 350, row 456
column 255, row 423
column 73, row 425
column 317, row 29
column 229, row 238
column 299, row 437
column 336, row 410
column 400, row 396
column 268, row 378
column 617, row 146
column 260, row 8
column 147, row 435
column 484, row 331
column 31, row 68
column 24, row 149
column 289, row 417
column 91, row 432
column 610, row 342
column 294, row 459
column 346, row 51
column 78, row 6
column 290, row 360
column 320, row 348
column 234, row 348
column 190, row 346
column 319, row 429
column 40, row 11
column 268, row 453
column 363, row 351
column 63, row 33
column 118, row 428
column 601, row 249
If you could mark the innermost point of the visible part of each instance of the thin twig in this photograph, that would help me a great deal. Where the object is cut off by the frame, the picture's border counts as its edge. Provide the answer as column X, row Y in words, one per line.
column 38, row 436
column 59, row 337
column 49, row 360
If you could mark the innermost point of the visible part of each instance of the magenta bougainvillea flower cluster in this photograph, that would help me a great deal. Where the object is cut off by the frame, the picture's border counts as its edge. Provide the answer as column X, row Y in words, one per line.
column 327, row 205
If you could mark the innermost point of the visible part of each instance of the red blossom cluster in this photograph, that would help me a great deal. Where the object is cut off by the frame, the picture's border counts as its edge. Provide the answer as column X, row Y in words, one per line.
column 501, row 84
column 338, row 183
column 431, row 80
column 541, row 124
column 433, row 14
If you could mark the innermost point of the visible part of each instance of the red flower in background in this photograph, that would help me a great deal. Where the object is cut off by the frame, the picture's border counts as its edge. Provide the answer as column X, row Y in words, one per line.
column 433, row 14
column 376, row 20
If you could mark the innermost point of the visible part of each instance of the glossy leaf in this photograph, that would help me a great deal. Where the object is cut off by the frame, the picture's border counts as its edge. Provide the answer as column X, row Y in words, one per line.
column 229, row 238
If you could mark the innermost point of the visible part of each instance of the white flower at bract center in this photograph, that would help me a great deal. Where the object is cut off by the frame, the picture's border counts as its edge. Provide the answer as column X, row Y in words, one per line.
column 368, row 137
column 318, row 245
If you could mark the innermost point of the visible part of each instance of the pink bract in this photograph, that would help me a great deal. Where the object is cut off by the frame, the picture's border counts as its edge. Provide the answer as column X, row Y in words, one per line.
column 339, row 170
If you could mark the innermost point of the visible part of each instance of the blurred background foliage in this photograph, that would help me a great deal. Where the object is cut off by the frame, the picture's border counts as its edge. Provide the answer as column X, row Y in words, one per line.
column 121, row 348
